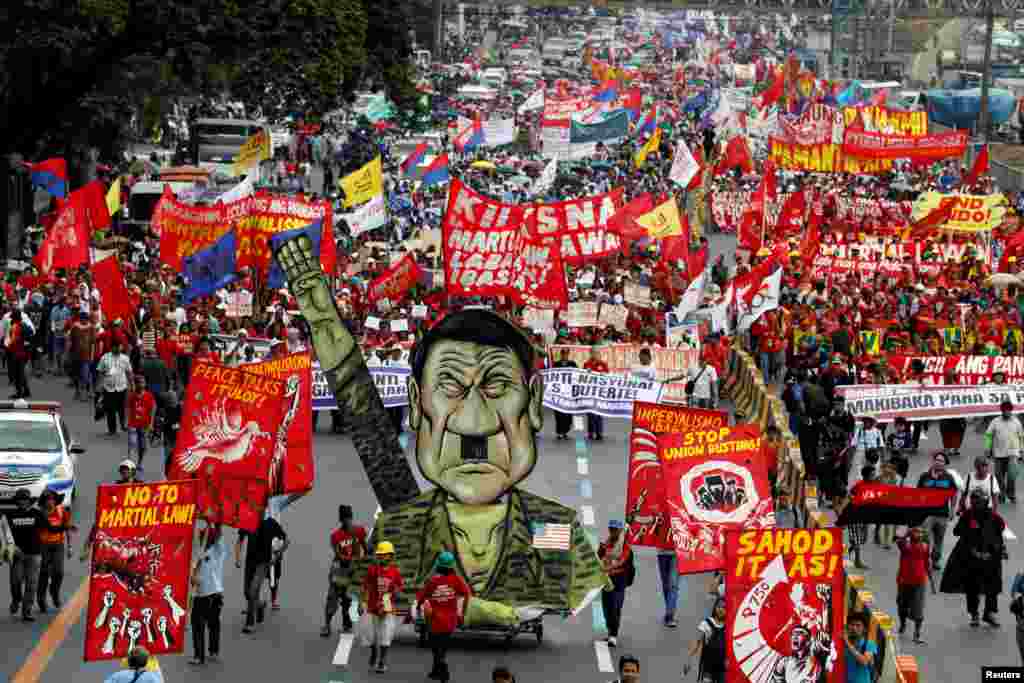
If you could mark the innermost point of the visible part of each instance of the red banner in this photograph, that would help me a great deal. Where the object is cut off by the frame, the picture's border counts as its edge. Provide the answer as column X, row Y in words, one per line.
column 581, row 225
column 715, row 480
column 185, row 229
column 228, row 440
column 67, row 241
column 867, row 145
column 141, row 564
column 115, row 300
column 488, row 252
column 395, row 282
column 292, row 467
column 824, row 158
column 785, row 605
column 966, row 369
column 646, row 514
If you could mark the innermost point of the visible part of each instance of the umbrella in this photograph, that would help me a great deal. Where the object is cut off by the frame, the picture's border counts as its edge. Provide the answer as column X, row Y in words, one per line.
column 483, row 165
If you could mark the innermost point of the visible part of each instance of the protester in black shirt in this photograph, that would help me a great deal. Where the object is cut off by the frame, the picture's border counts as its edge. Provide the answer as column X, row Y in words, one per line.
column 22, row 548
column 259, row 554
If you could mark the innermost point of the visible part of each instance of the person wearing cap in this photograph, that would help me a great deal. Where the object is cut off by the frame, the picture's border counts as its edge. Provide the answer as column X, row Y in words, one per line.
column 137, row 671
column 442, row 601
column 975, row 566
column 348, row 543
column 1003, row 440
column 260, row 552
column 23, row 549
column 54, row 542
column 380, row 590
column 115, row 369
column 616, row 557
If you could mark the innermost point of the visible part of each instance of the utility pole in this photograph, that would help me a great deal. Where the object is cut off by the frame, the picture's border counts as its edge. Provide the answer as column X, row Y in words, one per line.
column 438, row 30
column 986, row 69
column 892, row 26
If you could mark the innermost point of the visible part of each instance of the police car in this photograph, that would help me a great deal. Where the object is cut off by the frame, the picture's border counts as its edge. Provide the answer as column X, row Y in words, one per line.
column 37, row 450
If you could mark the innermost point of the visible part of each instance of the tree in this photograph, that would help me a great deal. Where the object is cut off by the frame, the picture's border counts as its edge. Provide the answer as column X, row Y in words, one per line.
column 55, row 54
column 389, row 49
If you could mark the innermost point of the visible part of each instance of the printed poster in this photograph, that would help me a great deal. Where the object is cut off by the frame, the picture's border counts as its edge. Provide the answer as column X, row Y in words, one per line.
column 646, row 518
column 582, row 314
column 785, row 606
column 230, row 442
column 715, row 480
column 140, row 568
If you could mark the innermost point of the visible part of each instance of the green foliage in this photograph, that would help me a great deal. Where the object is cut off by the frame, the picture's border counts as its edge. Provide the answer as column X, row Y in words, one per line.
column 389, row 49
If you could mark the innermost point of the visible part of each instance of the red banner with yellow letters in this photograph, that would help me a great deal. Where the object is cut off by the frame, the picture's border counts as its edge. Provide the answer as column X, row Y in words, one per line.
column 230, row 442
column 647, row 520
column 784, row 605
column 141, row 564
column 715, row 480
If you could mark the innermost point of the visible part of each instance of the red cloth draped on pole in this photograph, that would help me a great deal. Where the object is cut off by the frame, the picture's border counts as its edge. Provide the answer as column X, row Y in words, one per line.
column 115, row 301
column 696, row 262
column 624, row 222
column 67, row 241
column 774, row 91
column 395, row 282
column 230, row 441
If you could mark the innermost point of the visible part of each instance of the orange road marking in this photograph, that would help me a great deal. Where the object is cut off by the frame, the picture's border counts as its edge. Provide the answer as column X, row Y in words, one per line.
column 32, row 670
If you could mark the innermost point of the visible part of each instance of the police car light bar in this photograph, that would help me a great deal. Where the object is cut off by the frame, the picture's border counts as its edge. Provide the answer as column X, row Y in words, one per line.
column 22, row 404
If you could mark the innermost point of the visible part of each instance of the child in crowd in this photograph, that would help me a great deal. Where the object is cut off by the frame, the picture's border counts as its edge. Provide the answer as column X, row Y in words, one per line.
column 915, row 573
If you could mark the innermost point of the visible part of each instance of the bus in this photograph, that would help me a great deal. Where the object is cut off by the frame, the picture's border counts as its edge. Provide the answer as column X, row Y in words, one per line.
column 215, row 142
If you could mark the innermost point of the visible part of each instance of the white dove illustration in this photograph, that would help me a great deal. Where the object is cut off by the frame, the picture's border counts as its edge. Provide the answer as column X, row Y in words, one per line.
column 220, row 436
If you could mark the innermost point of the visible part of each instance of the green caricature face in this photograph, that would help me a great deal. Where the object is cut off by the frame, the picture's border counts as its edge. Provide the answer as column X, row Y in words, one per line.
column 475, row 415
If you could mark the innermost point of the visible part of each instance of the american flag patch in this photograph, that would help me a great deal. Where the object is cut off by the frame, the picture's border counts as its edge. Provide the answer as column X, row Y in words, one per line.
column 552, row 536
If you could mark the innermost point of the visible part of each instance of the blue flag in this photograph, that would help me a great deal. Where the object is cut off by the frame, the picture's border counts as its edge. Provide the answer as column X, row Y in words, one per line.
column 212, row 268
column 275, row 277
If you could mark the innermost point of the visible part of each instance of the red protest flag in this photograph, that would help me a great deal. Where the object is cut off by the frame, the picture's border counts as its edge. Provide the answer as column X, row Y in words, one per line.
column 979, row 168
column 67, row 241
column 229, row 440
column 749, row 235
column 395, row 282
column 141, row 560
column 785, row 595
column 115, row 301
column 94, row 204
column 623, row 222
column 774, row 91
column 292, row 469
column 696, row 262
column 711, row 488
column 737, row 153
column 791, row 217
column 934, row 219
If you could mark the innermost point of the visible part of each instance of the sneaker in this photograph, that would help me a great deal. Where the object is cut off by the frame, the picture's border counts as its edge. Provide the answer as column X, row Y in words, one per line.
column 974, row 621
column 613, row 641
column 381, row 668
column 325, row 632
column 991, row 620
column 15, row 606
column 247, row 629
column 918, row 640
column 27, row 616
column 671, row 622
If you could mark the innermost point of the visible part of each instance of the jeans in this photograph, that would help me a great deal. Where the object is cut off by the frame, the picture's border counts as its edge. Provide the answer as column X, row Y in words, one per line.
column 974, row 599
column 137, row 442
column 113, row 406
column 206, row 617
column 669, row 571
column 254, row 578
column 611, row 603
column 51, row 573
column 24, row 575
column 937, row 530
column 1007, row 484
column 595, row 424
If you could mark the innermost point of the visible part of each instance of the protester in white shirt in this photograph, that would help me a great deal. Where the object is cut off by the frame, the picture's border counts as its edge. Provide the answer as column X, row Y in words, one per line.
column 981, row 479
column 645, row 370
column 705, row 385
column 1003, row 440
column 116, row 370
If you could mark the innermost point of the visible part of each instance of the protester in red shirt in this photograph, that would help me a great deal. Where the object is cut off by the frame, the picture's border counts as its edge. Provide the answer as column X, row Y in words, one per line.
column 348, row 542
column 381, row 587
column 595, row 422
column 443, row 599
column 915, row 573
column 141, row 413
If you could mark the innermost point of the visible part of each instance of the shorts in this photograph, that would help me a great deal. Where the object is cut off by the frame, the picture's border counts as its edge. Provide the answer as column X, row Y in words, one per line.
column 383, row 629
column 910, row 601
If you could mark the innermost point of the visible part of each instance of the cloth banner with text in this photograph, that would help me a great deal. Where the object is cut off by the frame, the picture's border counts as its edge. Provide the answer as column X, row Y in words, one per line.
column 621, row 357
column 971, row 213
column 575, row 391
column 229, row 442
column 579, row 225
column 966, row 369
column 395, row 282
column 920, row 149
column 647, row 519
column 785, row 605
column 488, row 252
column 886, row 402
column 297, row 470
column 140, row 569
column 715, row 480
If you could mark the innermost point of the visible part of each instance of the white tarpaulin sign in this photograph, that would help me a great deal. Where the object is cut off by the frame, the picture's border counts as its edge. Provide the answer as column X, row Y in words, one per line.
column 372, row 214
column 499, row 132
column 392, row 385
column 886, row 402
column 239, row 305
column 635, row 295
column 614, row 316
column 575, row 391
column 539, row 319
column 684, row 166
column 533, row 102
column 582, row 314
column 547, row 177
column 555, row 139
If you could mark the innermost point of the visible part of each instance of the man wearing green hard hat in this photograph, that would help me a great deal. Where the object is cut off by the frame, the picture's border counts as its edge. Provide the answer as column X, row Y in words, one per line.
column 443, row 600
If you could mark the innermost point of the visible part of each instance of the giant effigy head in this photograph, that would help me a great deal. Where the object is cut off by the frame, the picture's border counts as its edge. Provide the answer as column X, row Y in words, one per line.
column 475, row 405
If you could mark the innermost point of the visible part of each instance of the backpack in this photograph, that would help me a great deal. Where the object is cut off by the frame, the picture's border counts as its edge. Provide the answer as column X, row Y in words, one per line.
column 712, row 655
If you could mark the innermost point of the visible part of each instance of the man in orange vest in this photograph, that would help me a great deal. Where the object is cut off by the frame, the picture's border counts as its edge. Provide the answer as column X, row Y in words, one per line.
column 54, row 542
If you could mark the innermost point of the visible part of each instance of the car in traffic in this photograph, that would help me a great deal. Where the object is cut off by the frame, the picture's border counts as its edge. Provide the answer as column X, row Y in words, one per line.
column 37, row 451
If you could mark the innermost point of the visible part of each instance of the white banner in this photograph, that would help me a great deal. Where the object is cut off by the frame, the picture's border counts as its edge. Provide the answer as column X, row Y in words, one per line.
column 684, row 166
column 499, row 132
column 886, row 402
column 555, row 141
column 372, row 214
column 575, row 391
column 239, row 305
column 533, row 102
column 635, row 295
column 614, row 316
column 582, row 314
column 547, row 177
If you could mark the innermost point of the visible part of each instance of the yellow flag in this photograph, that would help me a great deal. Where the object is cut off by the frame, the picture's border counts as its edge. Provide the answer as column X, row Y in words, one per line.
column 663, row 221
column 651, row 145
column 871, row 340
column 114, row 197
column 364, row 184
column 253, row 151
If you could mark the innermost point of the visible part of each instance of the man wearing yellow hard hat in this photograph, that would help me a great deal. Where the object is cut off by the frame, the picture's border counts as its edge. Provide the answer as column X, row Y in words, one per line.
column 381, row 588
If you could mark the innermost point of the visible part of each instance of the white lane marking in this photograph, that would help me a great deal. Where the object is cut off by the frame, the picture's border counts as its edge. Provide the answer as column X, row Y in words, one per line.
column 583, row 466
column 341, row 655
column 588, row 515
column 604, row 657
